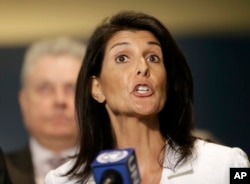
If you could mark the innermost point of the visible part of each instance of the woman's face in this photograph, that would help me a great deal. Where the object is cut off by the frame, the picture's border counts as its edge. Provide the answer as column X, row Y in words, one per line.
column 133, row 79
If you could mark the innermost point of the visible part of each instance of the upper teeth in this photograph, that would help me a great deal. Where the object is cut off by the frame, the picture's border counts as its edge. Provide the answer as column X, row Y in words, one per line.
column 142, row 88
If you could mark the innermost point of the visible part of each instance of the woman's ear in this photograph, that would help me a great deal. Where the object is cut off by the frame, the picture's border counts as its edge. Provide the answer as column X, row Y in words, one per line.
column 96, row 90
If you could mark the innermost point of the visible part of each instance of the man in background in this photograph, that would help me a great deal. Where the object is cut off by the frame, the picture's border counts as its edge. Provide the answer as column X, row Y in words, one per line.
column 46, row 98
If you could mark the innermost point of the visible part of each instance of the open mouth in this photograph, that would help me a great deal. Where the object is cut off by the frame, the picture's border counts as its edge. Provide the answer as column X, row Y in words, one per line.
column 142, row 89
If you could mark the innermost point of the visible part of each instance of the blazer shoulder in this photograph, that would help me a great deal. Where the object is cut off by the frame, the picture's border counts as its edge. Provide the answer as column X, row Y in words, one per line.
column 17, row 157
column 20, row 166
column 232, row 156
column 4, row 175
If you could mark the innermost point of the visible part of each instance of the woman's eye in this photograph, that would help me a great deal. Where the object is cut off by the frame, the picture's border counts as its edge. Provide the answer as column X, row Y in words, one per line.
column 153, row 58
column 121, row 59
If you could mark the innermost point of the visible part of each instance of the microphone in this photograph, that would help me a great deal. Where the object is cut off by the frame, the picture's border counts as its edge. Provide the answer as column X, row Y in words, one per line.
column 118, row 166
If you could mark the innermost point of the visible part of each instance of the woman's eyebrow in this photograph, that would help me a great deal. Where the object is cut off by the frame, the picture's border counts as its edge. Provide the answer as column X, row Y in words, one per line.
column 154, row 43
column 118, row 44
column 127, row 43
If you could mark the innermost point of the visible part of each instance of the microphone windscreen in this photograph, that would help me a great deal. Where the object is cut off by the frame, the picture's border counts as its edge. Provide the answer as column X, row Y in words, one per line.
column 111, row 176
column 118, row 166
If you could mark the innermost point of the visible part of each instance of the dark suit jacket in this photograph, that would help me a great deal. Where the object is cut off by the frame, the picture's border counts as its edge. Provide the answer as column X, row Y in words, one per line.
column 19, row 164
column 4, row 175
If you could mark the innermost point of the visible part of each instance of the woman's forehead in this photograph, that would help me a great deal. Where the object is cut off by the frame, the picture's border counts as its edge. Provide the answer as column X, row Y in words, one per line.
column 126, row 36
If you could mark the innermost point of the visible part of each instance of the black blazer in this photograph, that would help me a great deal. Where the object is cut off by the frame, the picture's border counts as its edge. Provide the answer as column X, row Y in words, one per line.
column 4, row 175
column 20, row 167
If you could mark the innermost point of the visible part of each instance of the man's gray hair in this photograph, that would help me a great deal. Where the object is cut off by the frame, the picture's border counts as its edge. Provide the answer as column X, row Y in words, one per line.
column 54, row 46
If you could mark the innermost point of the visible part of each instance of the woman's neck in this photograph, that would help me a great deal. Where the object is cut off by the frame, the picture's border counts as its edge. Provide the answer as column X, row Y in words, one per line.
column 146, row 139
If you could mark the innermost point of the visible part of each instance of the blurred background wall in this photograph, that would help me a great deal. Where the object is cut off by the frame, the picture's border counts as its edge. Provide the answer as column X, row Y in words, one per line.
column 214, row 36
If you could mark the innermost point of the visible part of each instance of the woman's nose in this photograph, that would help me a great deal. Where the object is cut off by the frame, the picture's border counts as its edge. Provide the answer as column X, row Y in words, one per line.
column 142, row 69
column 143, row 72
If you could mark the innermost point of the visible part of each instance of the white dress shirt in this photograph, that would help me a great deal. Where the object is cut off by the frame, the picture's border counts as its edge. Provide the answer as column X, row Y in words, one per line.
column 210, row 164
column 40, row 156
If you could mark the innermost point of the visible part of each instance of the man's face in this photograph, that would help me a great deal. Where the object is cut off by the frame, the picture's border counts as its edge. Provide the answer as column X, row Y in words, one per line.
column 47, row 99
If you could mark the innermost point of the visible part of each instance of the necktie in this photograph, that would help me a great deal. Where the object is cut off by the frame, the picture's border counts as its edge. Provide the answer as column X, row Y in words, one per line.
column 50, row 164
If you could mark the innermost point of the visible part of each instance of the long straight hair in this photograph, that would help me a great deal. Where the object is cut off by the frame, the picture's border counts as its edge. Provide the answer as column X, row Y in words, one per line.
column 94, row 124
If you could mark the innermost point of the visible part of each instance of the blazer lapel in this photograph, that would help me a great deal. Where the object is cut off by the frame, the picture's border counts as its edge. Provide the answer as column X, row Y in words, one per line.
column 20, row 166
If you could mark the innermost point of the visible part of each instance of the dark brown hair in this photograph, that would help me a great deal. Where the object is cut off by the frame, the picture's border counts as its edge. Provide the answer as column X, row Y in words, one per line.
column 94, row 123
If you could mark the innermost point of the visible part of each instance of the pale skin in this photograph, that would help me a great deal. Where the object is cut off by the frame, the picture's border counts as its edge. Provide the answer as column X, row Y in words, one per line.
column 47, row 101
column 134, row 60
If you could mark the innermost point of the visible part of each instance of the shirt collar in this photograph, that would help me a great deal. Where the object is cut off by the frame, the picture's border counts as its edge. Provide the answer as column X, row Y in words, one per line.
column 171, row 157
column 40, row 153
